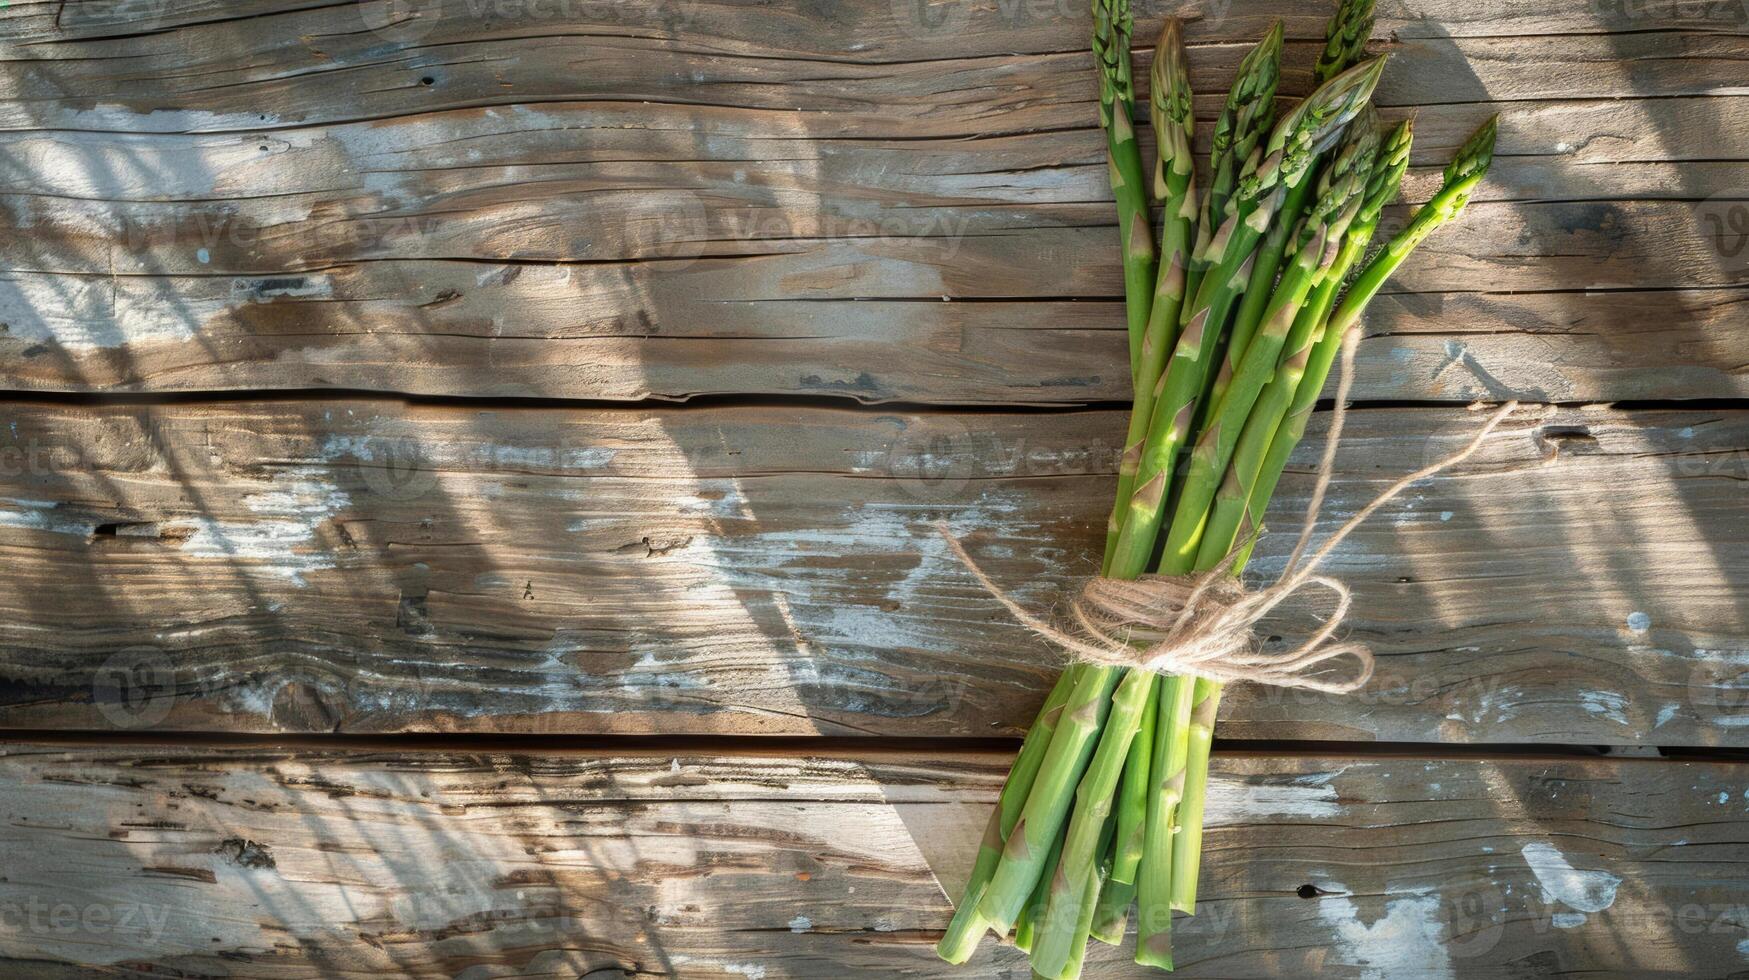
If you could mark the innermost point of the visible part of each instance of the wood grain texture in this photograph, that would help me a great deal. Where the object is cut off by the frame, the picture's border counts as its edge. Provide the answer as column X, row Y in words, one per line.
column 366, row 566
column 519, row 203
column 302, row 65
column 581, row 331
column 283, row 863
column 850, row 30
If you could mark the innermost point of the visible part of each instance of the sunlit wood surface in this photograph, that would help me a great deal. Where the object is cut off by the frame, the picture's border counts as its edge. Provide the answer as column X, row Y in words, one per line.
column 414, row 409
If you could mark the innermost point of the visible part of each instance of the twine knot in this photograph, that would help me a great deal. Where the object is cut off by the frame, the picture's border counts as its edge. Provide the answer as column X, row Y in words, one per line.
column 1201, row 625
column 1205, row 624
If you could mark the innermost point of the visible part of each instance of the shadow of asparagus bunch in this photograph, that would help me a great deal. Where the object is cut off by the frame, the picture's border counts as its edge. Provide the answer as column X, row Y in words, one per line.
column 1234, row 323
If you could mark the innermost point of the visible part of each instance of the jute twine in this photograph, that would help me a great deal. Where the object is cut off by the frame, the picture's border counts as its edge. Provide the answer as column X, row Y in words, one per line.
column 1205, row 624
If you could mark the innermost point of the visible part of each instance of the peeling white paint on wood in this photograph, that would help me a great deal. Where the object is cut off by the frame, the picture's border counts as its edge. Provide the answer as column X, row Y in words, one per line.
column 1407, row 942
column 1582, row 890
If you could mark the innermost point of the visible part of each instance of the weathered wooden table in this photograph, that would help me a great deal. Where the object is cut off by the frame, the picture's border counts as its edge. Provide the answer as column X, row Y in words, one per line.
column 441, row 435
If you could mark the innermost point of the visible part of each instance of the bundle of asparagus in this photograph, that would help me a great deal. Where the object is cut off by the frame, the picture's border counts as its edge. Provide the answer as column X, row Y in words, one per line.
column 1256, row 273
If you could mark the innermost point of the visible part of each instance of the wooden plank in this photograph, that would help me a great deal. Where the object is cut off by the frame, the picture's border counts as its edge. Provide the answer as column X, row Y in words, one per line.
column 269, row 862
column 311, row 64
column 854, row 28
column 631, row 332
column 850, row 30
column 365, row 566
column 1548, row 149
column 112, row 216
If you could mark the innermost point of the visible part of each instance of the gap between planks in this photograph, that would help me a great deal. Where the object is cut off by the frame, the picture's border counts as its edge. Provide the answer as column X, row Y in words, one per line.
column 722, row 400
column 827, row 746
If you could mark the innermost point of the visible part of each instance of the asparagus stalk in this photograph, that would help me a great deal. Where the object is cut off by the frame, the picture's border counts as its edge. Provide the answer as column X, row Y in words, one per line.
column 1290, row 151
column 1047, row 803
column 967, row 927
column 1461, row 177
column 1089, row 904
column 1117, row 102
column 1174, row 183
column 1187, row 845
column 1387, row 173
column 1055, row 945
column 1026, row 926
column 1154, row 879
column 1245, row 119
column 1283, row 160
column 1016, row 868
column 1112, row 916
column 1341, row 191
column 1344, row 41
column 1229, row 516
column 1132, row 801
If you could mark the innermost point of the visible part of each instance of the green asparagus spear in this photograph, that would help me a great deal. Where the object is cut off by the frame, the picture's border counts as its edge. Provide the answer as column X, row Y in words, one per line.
column 1345, row 38
column 967, row 927
column 1174, row 183
column 1461, row 176
column 1132, row 801
column 1048, row 802
column 1246, row 118
column 1187, row 845
column 1117, row 102
column 1025, row 928
column 1283, row 161
column 1154, row 878
column 1055, row 944
column 1112, row 916
column 1089, row 904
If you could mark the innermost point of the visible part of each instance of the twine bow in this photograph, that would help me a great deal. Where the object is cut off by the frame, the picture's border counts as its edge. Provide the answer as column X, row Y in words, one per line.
column 1204, row 624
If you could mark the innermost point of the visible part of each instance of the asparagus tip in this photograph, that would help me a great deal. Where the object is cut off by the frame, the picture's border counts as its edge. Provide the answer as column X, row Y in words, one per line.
column 1477, row 153
column 1272, row 40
